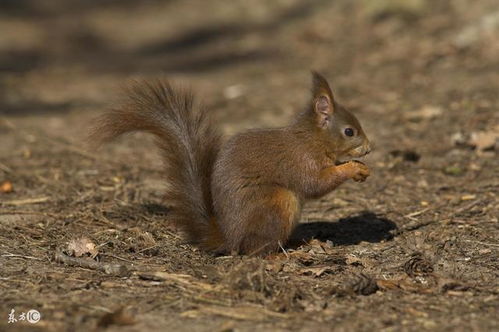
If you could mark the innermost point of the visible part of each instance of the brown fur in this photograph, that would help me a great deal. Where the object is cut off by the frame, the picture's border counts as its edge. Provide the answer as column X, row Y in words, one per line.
column 246, row 195
column 188, row 143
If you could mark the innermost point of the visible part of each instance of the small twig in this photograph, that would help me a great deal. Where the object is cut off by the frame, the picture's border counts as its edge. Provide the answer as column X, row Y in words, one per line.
column 6, row 123
column 8, row 254
column 416, row 225
column 172, row 234
column 75, row 149
column 46, row 214
column 105, row 220
column 145, row 249
column 69, row 147
column 97, row 307
column 224, row 257
column 78, row 150
column 483, row 243
column 27, row 201
column 210, row 300
column 466, row 207
column 118, row 257
column 184, row 281
column 417, row 213
column 283, row 250
column 413, row 227
column 112, row 269
column 5, row 168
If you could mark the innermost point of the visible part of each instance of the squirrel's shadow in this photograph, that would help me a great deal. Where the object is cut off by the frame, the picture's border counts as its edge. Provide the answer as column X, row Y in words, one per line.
column 366, row 226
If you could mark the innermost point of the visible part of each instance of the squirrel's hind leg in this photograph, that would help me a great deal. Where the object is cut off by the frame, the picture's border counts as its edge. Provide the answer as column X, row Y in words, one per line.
column 270, row 222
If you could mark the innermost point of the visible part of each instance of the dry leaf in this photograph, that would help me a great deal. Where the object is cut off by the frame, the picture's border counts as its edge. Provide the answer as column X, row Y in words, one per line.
column 352, row 260
column 403, row 284
column 387, row 284
column 316, row 247
column 302, row 257
column 484, row 140
column 81, row 247
column 316, row 271
column 183, row 280
column 481, row 140
column 275, row 266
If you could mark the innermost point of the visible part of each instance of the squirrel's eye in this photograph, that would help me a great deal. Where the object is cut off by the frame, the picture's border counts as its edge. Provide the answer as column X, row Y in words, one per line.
column 349, row 132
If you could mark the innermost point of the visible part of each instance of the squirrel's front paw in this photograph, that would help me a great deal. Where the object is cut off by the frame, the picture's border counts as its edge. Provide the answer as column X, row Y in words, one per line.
column 360, row 172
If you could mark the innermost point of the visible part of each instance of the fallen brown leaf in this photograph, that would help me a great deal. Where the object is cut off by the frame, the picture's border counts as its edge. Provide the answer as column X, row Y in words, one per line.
column 183, row 280
column 81, row 247
column 484, row 140
column 317, row 271
column 387, row 284
column 303, row 257
column 403, row 284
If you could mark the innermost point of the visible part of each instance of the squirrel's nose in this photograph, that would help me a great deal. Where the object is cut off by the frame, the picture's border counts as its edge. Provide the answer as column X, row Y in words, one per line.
column 367, row 147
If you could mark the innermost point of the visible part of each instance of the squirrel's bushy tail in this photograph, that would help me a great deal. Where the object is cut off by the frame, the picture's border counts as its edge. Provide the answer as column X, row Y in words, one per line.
column 189, row 146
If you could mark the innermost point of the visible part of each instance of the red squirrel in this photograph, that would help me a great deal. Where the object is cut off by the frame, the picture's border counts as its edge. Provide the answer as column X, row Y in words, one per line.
column 245, row 195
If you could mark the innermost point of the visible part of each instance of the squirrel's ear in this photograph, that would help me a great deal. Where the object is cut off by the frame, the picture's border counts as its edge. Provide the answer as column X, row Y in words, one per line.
column 322, row 100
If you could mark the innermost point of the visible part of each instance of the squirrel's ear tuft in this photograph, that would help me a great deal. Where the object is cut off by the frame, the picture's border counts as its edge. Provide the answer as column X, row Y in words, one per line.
column 322, row 100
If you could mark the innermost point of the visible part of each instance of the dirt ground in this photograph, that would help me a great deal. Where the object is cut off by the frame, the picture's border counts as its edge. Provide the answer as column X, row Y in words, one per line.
column 415, row 247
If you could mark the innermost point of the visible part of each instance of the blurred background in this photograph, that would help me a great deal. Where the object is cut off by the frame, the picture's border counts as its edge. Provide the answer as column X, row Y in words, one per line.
column 250, row 60
column 421, row 75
